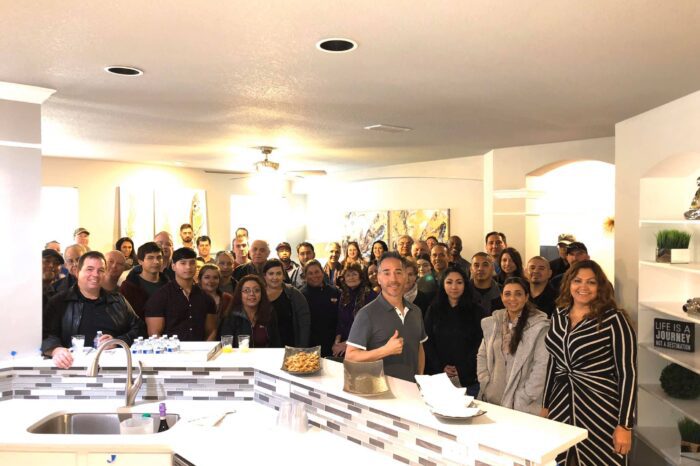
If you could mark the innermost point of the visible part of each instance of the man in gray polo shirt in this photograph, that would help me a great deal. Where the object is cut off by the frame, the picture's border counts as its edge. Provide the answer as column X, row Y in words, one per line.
column 389, row 328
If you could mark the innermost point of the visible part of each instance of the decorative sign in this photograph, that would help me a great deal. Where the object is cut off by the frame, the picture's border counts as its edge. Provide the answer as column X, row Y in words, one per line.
column 674, row 334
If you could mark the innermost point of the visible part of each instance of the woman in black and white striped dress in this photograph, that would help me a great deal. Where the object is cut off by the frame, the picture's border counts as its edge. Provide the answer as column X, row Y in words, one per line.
column 592, row 372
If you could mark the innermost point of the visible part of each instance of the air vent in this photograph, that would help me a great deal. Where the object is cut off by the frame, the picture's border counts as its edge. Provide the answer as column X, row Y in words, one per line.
column 124, row 70
column 388, row 128
column 336, row 45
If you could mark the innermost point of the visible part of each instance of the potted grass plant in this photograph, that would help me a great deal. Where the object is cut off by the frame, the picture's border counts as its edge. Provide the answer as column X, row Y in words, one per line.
column 690, row 435
column 672, row 246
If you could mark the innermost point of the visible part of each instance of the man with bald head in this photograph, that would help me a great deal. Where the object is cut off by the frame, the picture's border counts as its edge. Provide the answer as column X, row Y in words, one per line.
column 419, row 248
column 454, row 246
column 71, row 257
column 165, row 241
column 542, row 293
column 403, row 245
column 259, row 252
column 116, row 265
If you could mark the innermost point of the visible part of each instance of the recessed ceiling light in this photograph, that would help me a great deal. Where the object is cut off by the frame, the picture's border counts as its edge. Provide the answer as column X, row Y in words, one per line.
column 336, row 45
column 388, row 128
column 124, row 70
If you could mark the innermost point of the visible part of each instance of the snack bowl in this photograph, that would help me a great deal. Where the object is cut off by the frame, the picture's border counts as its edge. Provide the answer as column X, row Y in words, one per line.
column 365, row 378
column 306, row 359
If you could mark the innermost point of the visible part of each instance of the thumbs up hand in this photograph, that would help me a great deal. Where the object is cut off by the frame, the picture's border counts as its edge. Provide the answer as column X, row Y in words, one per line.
column 395, row 344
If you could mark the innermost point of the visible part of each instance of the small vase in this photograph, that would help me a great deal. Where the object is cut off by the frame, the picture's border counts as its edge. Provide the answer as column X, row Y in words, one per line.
column 680, row 256
column 663, row 255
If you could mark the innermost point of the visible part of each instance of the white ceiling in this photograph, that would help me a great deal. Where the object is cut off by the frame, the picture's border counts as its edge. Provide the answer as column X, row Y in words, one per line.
column 222, row 76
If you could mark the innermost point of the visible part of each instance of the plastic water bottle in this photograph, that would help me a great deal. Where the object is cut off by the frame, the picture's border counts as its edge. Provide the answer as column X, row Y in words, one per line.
column 140, row 345
column 148, row 346
column 169, row 345
column 158, row 346
column 96, row 341
column 176, row 344
column 135, row 347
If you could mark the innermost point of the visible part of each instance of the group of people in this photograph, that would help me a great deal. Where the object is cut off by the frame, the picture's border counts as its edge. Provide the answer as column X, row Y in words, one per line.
column 542, row 337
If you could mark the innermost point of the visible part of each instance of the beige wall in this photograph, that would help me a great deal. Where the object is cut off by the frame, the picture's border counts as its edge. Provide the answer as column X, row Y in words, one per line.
column 455, row 184
column 511, row 165
column 640, row 143
column 97, row 182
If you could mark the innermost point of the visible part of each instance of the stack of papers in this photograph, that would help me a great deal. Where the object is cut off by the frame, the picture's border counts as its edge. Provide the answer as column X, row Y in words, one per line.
column 443, row 398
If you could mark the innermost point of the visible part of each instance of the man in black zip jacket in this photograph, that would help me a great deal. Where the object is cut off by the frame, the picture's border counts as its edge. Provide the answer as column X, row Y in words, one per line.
column 85, row 309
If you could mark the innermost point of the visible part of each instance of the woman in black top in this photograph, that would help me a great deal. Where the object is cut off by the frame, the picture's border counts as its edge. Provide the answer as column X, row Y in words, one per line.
column 289, row 305
column 379, row 247
column 511, row 265
column 354, row 294
column 453, row 325
column 126, row 246
column 250, row 313
column 323, row 304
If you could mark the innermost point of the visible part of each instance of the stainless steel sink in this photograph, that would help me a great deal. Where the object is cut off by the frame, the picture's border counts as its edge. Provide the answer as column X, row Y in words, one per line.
column 90, row 423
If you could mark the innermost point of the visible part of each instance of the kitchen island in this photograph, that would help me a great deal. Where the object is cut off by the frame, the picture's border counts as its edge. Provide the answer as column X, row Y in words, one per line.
column 393, row 427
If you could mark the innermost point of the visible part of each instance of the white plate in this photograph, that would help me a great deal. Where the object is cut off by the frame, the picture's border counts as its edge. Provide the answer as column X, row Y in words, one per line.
column 457, row 416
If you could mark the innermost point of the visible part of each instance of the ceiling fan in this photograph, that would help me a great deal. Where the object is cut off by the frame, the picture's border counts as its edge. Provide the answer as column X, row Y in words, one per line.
column 268, row 166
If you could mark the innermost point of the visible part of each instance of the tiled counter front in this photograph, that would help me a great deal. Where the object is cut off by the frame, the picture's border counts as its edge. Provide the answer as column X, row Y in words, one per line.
column 159, row 383
column 401, row 439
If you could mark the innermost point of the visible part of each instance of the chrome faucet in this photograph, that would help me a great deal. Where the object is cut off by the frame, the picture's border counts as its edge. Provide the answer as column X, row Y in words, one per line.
column 132, row 388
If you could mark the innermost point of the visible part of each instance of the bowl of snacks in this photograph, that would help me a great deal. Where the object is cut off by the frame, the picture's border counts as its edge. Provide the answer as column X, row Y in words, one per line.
column 302, row 361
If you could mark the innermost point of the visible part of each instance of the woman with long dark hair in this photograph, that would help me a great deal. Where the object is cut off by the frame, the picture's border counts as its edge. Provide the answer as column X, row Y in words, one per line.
column 511, row 265
column 454, row 331
column 250, row 313
column 592, row 372
column 355, row 292
column 379, row 247
column 209, row 279
column 126, row 246
column 512, row 360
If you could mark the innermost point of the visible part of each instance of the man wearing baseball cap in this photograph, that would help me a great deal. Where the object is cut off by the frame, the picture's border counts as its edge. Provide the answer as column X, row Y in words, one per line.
column 575, row 252
column 560, row 265
column 284, row 252
column 82, row 237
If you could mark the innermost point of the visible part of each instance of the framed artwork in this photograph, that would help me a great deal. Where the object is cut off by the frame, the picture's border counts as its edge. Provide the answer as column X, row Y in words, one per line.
column 419, row 224
column 173, row 207
column 136, row 213
column 365, row 228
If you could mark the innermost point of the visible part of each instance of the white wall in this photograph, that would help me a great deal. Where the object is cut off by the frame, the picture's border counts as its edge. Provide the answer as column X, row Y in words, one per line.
column 641, row 143
column 455, row 184
column 97, row 183
column 20, row 184
column 511, row 165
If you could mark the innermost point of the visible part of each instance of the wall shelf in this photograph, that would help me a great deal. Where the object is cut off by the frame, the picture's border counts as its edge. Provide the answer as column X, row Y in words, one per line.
column 689, row 408
column 665, row 441
column 690, row 361
column 669, row 222
column 693, row 267
column 671, row 309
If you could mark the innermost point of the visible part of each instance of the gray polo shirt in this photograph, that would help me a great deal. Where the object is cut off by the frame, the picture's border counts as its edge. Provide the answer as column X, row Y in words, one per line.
column 376, row 322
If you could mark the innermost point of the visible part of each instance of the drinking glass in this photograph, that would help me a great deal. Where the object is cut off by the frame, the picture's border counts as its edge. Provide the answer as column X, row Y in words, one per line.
column 244, row 342
column 284, row 417
column 77, row 342
column 227, row 343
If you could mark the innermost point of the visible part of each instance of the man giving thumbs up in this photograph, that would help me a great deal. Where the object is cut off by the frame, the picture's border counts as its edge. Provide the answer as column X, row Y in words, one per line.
column 389, row 328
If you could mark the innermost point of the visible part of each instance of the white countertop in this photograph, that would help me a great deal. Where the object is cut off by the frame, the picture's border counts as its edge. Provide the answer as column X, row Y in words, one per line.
column 545, row 438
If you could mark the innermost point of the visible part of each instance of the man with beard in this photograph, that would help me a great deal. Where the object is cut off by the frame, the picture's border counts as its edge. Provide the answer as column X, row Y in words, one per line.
column 85, row 309
column 187, row 236
column 116, row 265
column 403, row 245
column 542, row 294
column 389, row 328
column 305, row 253
column 484, row 289
column 284, row 252
column 454, row 246
column 259, row 252
column 180, row 307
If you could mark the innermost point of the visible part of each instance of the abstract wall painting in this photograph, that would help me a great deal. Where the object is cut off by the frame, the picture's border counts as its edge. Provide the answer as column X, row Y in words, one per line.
column 365, row 228
column 419, row 224
column 136, row 213
column 173, row 207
